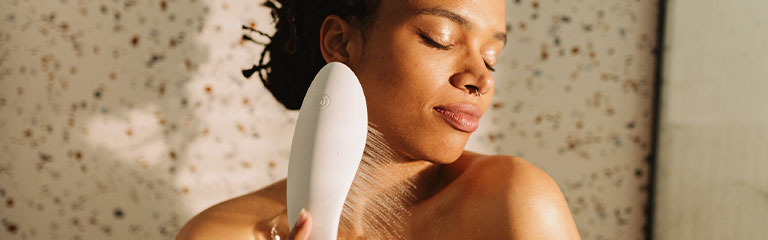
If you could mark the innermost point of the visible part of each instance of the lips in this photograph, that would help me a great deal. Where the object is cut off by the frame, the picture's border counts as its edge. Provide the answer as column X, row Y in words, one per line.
column 462, row 117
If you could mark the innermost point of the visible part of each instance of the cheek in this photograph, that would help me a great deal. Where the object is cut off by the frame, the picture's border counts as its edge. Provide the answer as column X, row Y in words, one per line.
column 398, row 70
column 402, row 77
column 402, row 81
column 414, row 70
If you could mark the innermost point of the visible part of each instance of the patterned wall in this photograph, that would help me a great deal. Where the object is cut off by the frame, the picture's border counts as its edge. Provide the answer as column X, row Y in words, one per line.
column 575, row 98
column 122, row 119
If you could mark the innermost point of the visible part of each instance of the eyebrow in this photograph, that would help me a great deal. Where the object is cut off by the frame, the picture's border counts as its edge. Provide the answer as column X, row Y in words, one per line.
column 441, row 12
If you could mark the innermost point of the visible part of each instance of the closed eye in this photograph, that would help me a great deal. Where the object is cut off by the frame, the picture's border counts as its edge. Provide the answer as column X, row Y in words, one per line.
column 429, row 42
column 489, row 67
column 432, row 43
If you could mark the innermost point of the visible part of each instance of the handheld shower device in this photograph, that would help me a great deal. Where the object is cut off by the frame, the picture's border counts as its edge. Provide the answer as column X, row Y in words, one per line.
column 327, row 146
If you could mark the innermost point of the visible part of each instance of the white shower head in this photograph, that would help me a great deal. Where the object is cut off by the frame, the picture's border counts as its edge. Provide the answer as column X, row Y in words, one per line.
column 327, row 146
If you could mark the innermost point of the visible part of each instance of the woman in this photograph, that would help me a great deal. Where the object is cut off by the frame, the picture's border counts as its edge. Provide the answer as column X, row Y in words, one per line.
column 425, row 68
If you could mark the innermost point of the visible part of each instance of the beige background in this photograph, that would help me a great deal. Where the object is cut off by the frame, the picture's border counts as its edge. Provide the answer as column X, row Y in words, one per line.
column 713, row 152
column 122, row 119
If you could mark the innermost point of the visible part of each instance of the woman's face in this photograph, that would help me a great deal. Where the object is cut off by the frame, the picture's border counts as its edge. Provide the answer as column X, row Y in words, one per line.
column 425, row 69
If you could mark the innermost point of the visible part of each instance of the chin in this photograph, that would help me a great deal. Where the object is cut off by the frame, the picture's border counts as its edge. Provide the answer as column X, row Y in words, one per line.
column 434, row 141
column 443, row 148
column 447, row 157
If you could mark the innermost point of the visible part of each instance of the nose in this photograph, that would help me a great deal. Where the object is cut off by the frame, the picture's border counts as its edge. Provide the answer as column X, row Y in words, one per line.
column 474, row 77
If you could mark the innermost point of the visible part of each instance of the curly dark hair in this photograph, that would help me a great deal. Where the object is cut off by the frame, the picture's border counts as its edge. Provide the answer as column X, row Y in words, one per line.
column 294, row 49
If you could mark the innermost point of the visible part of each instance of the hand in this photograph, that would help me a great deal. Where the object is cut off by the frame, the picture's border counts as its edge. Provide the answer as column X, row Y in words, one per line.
column 302, row 227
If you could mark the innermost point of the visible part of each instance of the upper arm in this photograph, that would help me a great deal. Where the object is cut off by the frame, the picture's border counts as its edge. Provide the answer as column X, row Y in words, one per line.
column 211, row 224
column 530, row 204
column 227, row 221
column 250, row 216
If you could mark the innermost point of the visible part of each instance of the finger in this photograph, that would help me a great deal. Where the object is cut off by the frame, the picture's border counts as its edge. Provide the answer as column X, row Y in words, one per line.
column 302, row 227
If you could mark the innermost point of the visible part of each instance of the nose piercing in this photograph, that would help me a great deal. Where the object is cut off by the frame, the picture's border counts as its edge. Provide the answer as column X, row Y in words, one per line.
column 477, row 93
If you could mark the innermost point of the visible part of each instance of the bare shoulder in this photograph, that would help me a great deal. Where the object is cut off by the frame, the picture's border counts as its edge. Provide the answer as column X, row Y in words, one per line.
column 250, row 216
column 525, row 201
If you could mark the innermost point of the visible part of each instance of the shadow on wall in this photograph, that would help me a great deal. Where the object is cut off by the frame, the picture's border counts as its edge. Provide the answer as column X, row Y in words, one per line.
column 96, row 117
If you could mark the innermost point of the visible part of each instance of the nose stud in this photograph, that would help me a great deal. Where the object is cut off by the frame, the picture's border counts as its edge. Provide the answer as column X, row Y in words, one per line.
column 477, row 93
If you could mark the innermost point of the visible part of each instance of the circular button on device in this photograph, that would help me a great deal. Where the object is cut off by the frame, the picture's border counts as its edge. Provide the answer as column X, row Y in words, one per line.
column 322, row 101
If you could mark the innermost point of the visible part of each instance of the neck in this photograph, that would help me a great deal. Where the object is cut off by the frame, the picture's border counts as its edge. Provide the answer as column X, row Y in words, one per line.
column 385, row 190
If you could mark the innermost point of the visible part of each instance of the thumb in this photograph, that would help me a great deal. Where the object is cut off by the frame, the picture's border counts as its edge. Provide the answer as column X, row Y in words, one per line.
column 302, row 227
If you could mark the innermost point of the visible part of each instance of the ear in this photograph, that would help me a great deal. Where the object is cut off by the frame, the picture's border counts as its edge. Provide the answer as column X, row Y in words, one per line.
column 336, row 36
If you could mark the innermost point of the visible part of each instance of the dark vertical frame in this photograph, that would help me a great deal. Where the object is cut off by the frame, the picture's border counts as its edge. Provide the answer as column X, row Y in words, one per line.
column 653, row 155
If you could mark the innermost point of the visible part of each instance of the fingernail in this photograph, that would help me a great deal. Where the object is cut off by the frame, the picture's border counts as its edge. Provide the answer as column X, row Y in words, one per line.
column 302, row 218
